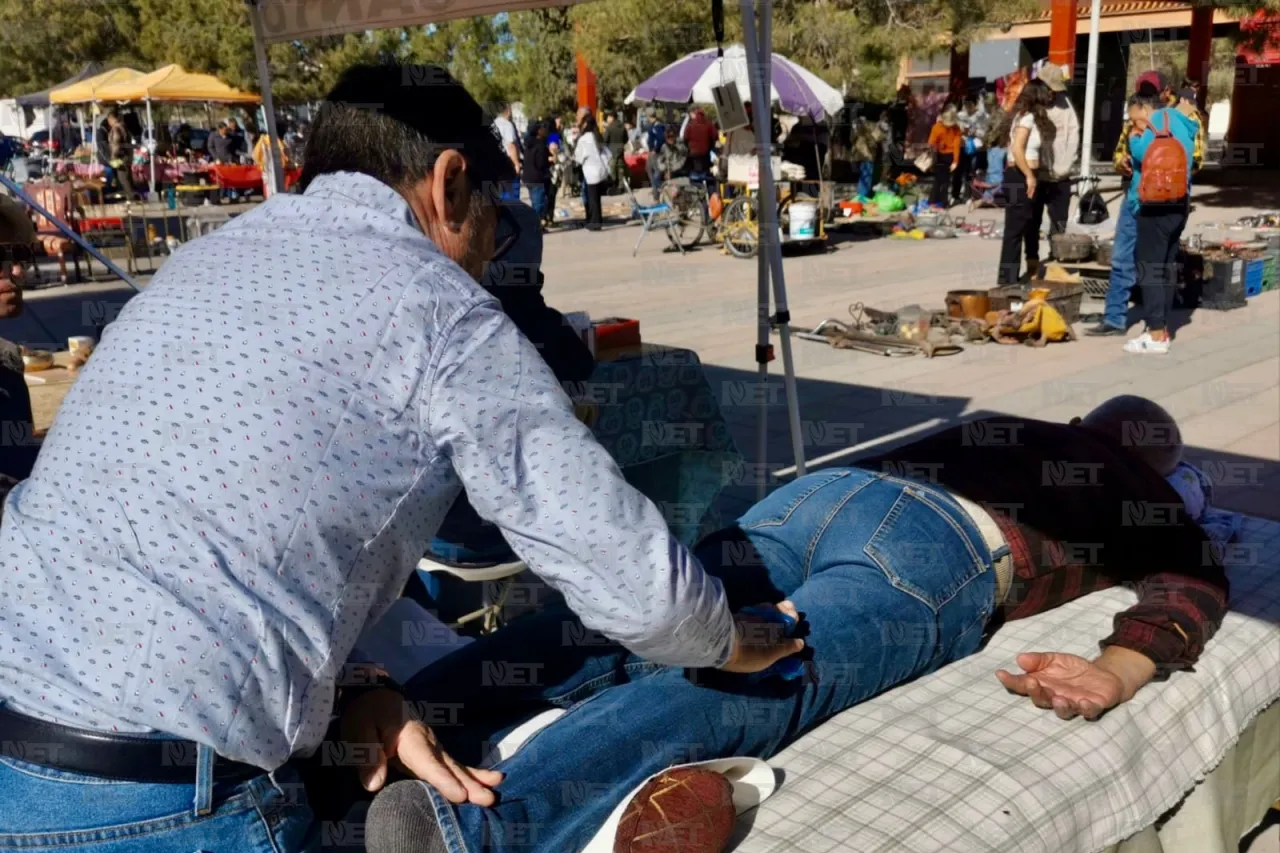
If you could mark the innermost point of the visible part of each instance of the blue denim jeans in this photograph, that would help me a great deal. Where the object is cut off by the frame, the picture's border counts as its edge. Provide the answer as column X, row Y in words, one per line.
column 1124, row 268
column 866, row 171
column 538, row 199
column 893, row 581
column 46, row 809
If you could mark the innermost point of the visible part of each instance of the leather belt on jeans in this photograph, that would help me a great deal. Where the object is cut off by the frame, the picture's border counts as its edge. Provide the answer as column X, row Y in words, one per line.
column 129, row 758
column 1001, row 557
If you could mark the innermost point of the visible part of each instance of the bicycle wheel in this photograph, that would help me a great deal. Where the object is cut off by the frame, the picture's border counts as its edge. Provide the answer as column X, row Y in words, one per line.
column 740, row 226
column 692, row 220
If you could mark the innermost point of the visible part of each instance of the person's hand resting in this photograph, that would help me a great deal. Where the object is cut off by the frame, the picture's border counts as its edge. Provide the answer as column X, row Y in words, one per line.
column 1125, row 167
column 761, row 643
column 380, row 717
column 11, row 294
column 1069, row 685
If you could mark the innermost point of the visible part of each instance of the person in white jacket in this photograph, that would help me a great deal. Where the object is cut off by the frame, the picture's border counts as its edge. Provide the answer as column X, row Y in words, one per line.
column 593, row 158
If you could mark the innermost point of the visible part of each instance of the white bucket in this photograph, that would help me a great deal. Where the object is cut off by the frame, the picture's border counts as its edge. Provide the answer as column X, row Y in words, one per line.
column 804, row 216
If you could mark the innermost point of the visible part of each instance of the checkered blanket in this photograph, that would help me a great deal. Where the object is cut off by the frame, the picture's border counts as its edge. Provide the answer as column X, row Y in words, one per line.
column 953, row 763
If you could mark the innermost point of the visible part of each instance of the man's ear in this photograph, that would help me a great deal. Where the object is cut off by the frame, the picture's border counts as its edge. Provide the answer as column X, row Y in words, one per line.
column 1076, row 421
column 450, row 189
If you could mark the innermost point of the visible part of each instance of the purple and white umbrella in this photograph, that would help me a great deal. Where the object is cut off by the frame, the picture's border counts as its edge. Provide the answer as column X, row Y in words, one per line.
column 795, row 89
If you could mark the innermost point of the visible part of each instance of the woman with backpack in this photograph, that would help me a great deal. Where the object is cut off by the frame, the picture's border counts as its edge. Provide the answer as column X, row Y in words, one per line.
column 1161, row 149
column 1029, row 132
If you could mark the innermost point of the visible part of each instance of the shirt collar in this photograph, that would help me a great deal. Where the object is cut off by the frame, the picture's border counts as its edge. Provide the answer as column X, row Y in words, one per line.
column 365, row 191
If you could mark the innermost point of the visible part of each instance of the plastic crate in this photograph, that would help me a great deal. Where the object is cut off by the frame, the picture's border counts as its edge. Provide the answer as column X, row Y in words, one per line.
column 1253, row 277
column 1223, row 285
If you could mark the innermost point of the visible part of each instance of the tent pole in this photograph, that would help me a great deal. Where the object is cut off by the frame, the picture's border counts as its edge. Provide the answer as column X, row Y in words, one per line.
column 782, row 313
column 762, row 256
column 151, row 151
column 1090, row 90
column 264, row 80
column 759, row 62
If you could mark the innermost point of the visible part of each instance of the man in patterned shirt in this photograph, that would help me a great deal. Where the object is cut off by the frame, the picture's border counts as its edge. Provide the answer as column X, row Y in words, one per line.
column 245, row 475
column 1124, row 270
column 899, row 566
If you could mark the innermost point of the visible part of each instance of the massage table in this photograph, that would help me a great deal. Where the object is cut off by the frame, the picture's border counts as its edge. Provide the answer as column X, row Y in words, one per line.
column 953, row 763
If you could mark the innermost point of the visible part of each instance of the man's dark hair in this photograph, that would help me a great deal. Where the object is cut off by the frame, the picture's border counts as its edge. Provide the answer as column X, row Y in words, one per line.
column 1145, row 90
column 392, row 122
column 1145, row 99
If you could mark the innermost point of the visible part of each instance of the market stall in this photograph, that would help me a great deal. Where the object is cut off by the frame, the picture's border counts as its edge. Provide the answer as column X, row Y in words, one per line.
column 794, row 90
column 170, row 84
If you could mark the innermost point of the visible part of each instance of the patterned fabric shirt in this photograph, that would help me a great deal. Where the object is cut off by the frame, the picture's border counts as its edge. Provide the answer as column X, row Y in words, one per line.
column 251, row 465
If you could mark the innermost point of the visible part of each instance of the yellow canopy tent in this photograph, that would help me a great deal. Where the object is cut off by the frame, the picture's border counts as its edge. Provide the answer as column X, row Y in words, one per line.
column 173, row 83
column 87, row 90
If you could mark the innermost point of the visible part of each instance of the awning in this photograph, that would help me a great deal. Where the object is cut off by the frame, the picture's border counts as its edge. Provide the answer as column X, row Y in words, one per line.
column 284, row 20
column 36, row 100
column 1116, row 17
column 86, row 90
column 173, row 83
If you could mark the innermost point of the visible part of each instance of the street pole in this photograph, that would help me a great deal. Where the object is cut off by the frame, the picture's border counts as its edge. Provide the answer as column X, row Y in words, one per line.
column 1090, row 90
column 268, row 106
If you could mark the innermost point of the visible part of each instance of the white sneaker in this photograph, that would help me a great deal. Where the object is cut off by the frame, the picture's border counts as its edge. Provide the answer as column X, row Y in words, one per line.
column 1145, row 344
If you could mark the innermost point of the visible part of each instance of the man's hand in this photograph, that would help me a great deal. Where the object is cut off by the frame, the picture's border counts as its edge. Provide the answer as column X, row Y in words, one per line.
column 761, row 643
column 11, row 295
column 1125, row 167
column 379, row 717
column 954, row 164
column 1031, row 187
column 1069, row 685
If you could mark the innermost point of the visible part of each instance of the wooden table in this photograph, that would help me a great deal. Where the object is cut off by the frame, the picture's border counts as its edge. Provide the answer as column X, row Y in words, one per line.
column 48, row 388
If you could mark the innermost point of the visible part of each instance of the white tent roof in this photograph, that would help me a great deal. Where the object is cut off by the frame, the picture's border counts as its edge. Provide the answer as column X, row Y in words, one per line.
column 284, row 20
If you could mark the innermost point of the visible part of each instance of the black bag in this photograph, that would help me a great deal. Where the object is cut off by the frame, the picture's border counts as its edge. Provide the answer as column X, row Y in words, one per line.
column 1093, row 210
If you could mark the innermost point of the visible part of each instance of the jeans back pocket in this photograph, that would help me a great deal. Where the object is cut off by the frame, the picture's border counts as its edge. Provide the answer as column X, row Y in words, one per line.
column 923, row 550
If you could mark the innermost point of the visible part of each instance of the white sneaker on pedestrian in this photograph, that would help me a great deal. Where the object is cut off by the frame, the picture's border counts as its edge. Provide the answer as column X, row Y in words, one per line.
column 1145, row 344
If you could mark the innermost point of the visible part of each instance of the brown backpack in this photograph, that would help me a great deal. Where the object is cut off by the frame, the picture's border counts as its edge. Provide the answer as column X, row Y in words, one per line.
column 1164, row 169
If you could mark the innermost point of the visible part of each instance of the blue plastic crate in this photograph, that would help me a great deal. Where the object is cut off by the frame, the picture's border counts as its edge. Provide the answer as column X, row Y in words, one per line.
column 1253, row 277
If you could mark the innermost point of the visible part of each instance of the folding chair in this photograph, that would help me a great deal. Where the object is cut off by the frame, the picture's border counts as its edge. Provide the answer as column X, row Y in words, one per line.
column 652, row 217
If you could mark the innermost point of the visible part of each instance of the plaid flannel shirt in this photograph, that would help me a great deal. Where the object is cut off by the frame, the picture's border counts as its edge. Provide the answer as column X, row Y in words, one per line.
column 1175, row 616
column 1121, row 153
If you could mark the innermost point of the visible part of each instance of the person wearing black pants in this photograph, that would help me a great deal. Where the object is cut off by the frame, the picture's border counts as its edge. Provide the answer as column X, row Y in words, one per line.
column 941, row 180
column 1020, row 228
column 594, row 214
column 1054, row 197
column 1159, row 230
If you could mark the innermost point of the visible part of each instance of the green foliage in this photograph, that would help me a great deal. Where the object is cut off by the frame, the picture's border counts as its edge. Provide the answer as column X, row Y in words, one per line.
column 524, row 56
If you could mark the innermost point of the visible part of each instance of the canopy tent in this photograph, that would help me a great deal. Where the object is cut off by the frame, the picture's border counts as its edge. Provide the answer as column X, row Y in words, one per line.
column 86, row 91
column 285, row 20
column 795, row 90
column 173, row 84
column 40, row 100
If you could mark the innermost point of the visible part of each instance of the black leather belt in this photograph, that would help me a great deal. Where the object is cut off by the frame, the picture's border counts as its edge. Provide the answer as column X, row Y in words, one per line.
column 129, row 758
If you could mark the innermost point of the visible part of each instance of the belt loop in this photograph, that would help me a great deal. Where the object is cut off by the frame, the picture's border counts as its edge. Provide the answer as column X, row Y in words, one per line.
column 204, row 780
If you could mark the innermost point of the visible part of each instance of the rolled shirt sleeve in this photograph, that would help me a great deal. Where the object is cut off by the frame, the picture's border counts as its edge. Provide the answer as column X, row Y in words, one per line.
column 530, row 467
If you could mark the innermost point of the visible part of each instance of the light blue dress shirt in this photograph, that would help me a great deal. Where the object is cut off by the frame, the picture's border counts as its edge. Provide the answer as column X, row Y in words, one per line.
column 250, row 466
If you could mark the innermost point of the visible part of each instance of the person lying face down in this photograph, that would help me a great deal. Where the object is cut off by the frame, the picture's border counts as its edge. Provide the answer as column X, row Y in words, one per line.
column 939, row 541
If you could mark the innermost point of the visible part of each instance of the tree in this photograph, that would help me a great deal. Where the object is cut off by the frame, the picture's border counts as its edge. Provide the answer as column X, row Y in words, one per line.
column 45, row 41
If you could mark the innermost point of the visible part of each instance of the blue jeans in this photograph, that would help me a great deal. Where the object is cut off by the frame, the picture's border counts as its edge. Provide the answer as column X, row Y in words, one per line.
column 538, row 199
column 893, row 580
column 995, row 165
column 510, row 191
column 866, row 171
column 45, row 809
column 1124, row 268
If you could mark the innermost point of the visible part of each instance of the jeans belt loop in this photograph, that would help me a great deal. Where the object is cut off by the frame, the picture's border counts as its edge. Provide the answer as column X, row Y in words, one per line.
column 204, row 781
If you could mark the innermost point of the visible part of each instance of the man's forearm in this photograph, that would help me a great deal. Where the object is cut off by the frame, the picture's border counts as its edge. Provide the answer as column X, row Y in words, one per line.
column 1134, row 669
